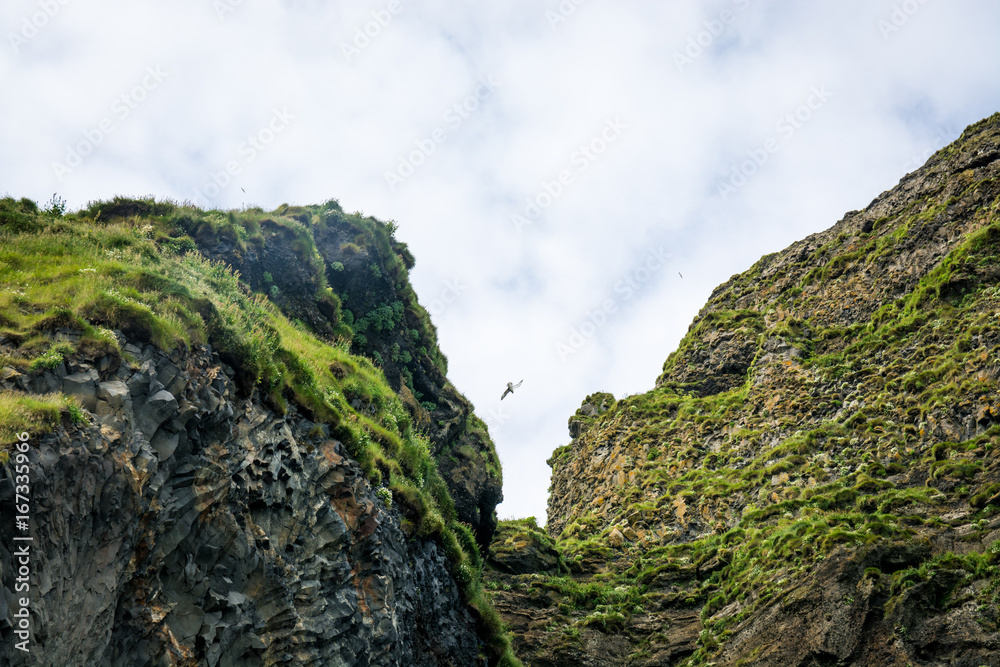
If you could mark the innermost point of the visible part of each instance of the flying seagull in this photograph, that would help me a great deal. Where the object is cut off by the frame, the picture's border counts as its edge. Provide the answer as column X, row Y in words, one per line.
column 510, row 389
column 680, row 274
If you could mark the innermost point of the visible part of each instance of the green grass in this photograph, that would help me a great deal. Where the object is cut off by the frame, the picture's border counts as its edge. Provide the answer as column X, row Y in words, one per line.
column 31, row 414
column 131, row 265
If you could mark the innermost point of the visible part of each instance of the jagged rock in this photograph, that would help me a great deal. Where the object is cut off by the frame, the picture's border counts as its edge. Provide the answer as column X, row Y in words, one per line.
column 165, row 443
column 113, row 392
column 852, row 374
column 592, row 406
column 161, row 406
column 82, row 386
column 225, row 543
column 520, row 547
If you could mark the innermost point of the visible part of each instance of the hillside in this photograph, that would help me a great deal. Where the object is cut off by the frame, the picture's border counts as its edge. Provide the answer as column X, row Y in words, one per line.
column 814, row 481
column 243, row 448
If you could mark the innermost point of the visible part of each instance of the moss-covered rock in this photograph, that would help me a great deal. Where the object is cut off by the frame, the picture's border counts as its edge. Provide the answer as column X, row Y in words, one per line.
column 256, row 471
column 816, row 471
column 521, row 547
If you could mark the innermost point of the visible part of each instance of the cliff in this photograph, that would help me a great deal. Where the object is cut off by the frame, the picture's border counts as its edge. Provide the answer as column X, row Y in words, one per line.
column 222, row 467
column 814, row 480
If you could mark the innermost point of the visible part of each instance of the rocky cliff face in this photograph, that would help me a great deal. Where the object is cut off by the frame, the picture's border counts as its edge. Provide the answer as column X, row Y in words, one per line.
column 190, row 526
column 814, row 480
column 370, row 300
column 412, row 363
column 222, row 468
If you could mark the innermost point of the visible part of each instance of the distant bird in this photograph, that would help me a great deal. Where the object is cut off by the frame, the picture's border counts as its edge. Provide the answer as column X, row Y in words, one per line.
column 244, row 191
column 680, row 274
column 510, row 389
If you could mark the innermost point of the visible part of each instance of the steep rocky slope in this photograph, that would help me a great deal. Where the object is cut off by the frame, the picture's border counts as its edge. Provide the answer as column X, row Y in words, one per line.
column 367, row 267
column 814, row 481
column 345, row 277
column 216, row 476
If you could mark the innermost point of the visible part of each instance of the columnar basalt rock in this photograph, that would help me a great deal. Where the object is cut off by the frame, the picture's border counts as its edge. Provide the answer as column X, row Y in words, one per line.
column 366, row 268
column 189, row 525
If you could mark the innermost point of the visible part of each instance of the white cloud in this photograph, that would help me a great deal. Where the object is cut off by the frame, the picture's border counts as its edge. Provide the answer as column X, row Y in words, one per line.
column 896, row 96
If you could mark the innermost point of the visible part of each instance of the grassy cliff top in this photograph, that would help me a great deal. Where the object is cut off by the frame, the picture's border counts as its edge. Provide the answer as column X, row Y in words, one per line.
column 120, row 274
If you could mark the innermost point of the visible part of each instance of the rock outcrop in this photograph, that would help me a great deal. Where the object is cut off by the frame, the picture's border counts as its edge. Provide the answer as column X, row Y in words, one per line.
column 366, row 270
column 367, row 267
column 814, row 479
column 190, row 525
column 226, row 465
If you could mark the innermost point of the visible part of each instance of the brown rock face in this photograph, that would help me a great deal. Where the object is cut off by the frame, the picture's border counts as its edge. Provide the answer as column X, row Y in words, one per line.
column 838, row 616
column 764, row 330
column 815, row 473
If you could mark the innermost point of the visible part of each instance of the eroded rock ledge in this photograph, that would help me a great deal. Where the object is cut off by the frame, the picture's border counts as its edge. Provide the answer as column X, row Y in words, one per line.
column 188, row 525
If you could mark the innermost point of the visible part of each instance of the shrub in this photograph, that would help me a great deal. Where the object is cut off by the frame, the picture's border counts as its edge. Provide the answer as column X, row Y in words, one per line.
column 52, row 358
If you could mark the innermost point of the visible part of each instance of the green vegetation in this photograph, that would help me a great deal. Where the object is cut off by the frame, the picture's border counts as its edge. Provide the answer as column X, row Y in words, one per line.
column 35, row 415
column 133, row 266
column 867, row 416
column 382, row 306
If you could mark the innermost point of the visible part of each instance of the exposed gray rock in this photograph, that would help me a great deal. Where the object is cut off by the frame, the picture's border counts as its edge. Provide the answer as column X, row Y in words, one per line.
column 161, row 406
column 82, row 386
column 195, row 529
column 164, row 442
column 113, row 392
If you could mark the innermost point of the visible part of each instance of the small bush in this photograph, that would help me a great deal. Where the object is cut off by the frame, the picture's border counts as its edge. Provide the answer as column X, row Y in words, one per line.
column 52, row 358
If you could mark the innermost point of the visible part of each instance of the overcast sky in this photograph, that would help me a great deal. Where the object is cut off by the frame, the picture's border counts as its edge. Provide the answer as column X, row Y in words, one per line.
column 554, row 166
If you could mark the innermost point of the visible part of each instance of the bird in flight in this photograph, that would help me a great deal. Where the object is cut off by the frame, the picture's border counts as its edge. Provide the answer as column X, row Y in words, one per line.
column 680, row 274
column 510, row 389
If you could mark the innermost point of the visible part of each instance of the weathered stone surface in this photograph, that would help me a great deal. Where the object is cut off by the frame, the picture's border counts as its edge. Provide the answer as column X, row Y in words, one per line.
column 837, row 615
column 227, row 542
column 113, row 392
column 82, row 386
column 164, row 443
column 157, row 409
column 814, row 476
column 520, row 547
